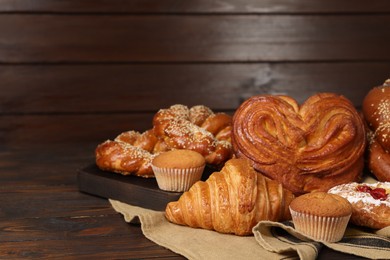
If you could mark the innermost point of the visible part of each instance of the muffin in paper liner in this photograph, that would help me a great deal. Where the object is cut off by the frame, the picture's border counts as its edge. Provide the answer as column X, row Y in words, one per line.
column 178, row 170
column 320, row 228
column 177, row 180
column 321, row 216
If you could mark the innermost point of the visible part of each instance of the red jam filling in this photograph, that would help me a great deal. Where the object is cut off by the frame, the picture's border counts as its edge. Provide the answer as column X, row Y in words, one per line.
column 377, row 193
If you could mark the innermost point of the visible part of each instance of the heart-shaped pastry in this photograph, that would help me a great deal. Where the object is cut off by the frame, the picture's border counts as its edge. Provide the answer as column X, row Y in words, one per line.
column 311, row 147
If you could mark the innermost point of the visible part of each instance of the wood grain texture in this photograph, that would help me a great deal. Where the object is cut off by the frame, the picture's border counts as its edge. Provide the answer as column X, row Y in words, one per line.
column 45, row 228
column 200, row 6
column 46, row 220
column 154, row 38
column 97, row 103
column 122, row 247
column 145, row 88
column 22, row 168
column 30, row 202
column 38, row 129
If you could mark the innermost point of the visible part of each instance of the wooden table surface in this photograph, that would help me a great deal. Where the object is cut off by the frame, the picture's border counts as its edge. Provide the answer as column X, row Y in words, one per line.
column 44, row 216
column 75, row 73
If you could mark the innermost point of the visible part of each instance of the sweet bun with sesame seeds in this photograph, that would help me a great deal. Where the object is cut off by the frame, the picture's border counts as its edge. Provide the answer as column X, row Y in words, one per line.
column 130, row 153
column 376, row 111
column 197, row 129
column 178, row 127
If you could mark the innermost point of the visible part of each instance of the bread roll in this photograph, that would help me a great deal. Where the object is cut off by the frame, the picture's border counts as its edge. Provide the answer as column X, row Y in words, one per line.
column 376, row 110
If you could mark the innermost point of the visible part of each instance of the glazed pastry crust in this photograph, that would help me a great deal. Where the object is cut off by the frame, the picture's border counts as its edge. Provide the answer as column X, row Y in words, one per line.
column 197, row 128
column 231, row 201
column 124, row 158
column 376, row 110
column 207, row 133
column 306, row 148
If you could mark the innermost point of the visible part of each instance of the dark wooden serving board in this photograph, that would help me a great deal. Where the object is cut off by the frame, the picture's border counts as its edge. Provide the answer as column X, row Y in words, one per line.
column 137, row 191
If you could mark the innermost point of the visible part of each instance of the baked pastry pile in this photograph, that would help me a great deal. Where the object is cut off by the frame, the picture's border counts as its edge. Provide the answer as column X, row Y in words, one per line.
column 376, row 110
column 311, row 147
column 269, row 152
column 197, row 128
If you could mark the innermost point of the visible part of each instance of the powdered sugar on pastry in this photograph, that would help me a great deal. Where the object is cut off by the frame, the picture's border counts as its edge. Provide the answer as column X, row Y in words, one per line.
column 350, row 192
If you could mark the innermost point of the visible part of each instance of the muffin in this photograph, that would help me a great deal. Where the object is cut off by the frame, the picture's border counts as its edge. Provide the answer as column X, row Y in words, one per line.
column 321, row 216
column 178, row 170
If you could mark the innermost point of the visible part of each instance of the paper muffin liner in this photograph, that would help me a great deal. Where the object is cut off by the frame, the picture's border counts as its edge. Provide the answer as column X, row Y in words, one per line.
column 178, row 180
column 327, row 229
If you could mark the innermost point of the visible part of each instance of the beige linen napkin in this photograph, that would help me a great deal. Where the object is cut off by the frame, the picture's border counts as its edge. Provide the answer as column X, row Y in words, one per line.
column 271, row 240
column 195, row 243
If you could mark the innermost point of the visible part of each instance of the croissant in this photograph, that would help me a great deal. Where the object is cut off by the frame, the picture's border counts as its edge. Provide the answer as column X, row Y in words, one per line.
column 232, row 200
column 376, row 110
column 311, row 147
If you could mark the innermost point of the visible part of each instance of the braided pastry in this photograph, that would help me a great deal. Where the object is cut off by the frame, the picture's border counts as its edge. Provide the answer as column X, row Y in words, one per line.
column 197, row 128
column 130, row 153
column 206, row 133
column 307, row 148
column 376, row 110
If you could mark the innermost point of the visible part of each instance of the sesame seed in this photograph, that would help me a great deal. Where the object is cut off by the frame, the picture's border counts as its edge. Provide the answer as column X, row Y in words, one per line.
column 387, row 82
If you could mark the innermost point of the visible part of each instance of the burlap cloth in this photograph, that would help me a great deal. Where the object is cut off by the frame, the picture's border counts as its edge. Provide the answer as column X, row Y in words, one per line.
column 271, row 240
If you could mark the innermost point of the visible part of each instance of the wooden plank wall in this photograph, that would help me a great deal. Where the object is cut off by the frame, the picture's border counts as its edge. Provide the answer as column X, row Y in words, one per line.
column 97, row 68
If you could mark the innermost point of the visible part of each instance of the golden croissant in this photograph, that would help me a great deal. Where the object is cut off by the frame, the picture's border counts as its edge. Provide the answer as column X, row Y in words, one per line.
column 232, row 201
